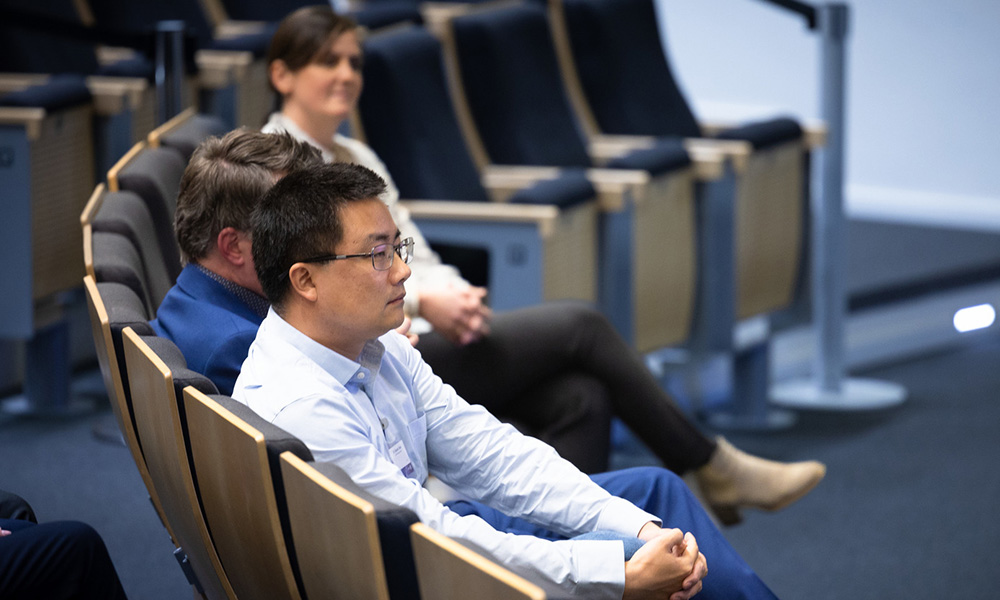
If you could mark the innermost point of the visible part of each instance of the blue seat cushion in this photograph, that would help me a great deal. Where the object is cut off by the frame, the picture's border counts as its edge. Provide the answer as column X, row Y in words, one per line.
column 139, row 66
column 763, row 134
column 569, row 189
column 667, row 155
column 59, row 92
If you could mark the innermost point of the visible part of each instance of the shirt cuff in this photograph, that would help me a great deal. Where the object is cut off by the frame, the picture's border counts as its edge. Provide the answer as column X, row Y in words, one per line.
column 602, row 563
column 624, row 517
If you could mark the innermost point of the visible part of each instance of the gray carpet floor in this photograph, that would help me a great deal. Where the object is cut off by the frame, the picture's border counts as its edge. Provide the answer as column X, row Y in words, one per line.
column 906, row 509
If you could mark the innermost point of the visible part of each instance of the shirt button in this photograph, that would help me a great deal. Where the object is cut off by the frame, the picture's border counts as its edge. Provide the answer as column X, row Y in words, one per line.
column 361, row 375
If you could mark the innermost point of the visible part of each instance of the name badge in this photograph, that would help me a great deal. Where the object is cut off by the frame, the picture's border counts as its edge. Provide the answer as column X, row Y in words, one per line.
column 399, row 458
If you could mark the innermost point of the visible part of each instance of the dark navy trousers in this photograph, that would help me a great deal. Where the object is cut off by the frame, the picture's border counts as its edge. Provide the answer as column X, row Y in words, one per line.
column 61, row 560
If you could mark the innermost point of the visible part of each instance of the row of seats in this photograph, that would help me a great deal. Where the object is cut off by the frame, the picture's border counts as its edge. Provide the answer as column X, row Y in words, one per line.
column 653, row 239
column 676, row 237
column 700, row 230
column 251, row 514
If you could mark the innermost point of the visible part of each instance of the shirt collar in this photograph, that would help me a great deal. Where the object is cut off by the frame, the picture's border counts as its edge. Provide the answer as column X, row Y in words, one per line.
column 254, row 301
column 360, row 373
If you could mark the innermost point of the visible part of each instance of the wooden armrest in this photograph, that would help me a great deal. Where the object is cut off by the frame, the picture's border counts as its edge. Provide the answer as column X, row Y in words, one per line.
column 220, row 68
column 611, row 184
column 114, row 95
column 815, row 132
column 708, row 157
column 603, row 148
column 708, row 151
column 714, row 128
column 15, row 82
column 28, row 117
column 233, row 29
column 437, row 15
column 111, row 54
column 503, row 181
column 544, row 216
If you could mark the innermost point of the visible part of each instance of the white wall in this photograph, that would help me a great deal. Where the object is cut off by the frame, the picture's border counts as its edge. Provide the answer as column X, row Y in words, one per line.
column 923, row 139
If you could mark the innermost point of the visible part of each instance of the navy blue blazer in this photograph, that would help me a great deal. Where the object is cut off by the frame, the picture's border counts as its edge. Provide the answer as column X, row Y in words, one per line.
column 210, row 325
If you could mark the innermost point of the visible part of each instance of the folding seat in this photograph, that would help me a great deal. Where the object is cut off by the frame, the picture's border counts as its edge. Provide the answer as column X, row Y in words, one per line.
column 48, row 38
column 186, row 131
column 154, row 174
column 260, row 491
column 143, row 268
column 231, row 75
column 113, row 307
column 157, row 373
column 514, row 111
column 46, row 173
column 541, row 239
column 449, row 569
column 116, row 259
column 629, row 89
column 326, row 508
column 235, row 456
column 612, row 56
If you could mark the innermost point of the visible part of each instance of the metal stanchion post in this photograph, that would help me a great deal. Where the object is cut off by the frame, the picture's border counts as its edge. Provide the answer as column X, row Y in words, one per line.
column 169, row 68
column 829, row 388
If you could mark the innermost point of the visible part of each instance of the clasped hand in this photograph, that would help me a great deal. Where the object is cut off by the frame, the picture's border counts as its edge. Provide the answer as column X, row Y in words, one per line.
column 457, row 313
column 669, row 565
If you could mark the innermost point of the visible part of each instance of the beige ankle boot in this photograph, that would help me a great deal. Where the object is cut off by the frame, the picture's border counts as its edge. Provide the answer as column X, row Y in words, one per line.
column 733, row 479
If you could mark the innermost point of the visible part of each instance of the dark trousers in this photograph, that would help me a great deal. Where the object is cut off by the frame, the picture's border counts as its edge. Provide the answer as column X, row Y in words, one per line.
column 56, row 561
column 550, row 367
column 665, row 495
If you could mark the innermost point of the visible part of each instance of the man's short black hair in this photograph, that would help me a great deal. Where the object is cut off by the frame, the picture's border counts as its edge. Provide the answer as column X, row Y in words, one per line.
column 300, row 217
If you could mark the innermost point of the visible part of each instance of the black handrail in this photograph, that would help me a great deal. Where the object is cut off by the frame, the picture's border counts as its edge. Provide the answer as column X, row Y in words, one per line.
column 806, row 10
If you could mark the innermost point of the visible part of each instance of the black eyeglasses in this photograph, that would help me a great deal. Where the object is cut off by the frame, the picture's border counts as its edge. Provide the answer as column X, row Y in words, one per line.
column 381, row 255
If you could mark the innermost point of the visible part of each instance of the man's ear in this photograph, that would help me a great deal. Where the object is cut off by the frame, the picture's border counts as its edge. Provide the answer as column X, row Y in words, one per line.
column 280, row 75
column 302, row 283
column 233, row 245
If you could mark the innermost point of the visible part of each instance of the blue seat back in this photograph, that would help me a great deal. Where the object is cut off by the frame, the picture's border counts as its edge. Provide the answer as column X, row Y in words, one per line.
column 27, row 49
column 511, row 78
column 409, row 120
column 623, row 68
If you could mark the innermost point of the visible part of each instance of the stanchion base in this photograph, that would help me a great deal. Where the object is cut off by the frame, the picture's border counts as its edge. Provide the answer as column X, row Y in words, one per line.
column 853, row 395
column 769, row 420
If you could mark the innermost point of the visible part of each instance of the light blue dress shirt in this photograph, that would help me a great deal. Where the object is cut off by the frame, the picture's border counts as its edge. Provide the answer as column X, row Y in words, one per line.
column 388, row 421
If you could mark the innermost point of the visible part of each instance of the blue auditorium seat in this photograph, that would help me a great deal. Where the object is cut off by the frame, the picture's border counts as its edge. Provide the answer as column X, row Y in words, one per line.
column 406, row 116
column 48, row 37
column 613, row 50
column 509, row 81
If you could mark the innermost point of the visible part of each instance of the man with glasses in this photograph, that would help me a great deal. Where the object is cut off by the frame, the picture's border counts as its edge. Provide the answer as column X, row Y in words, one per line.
column 216, row 306
column 213, row 311
column 557, row 370
column 327, row 367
